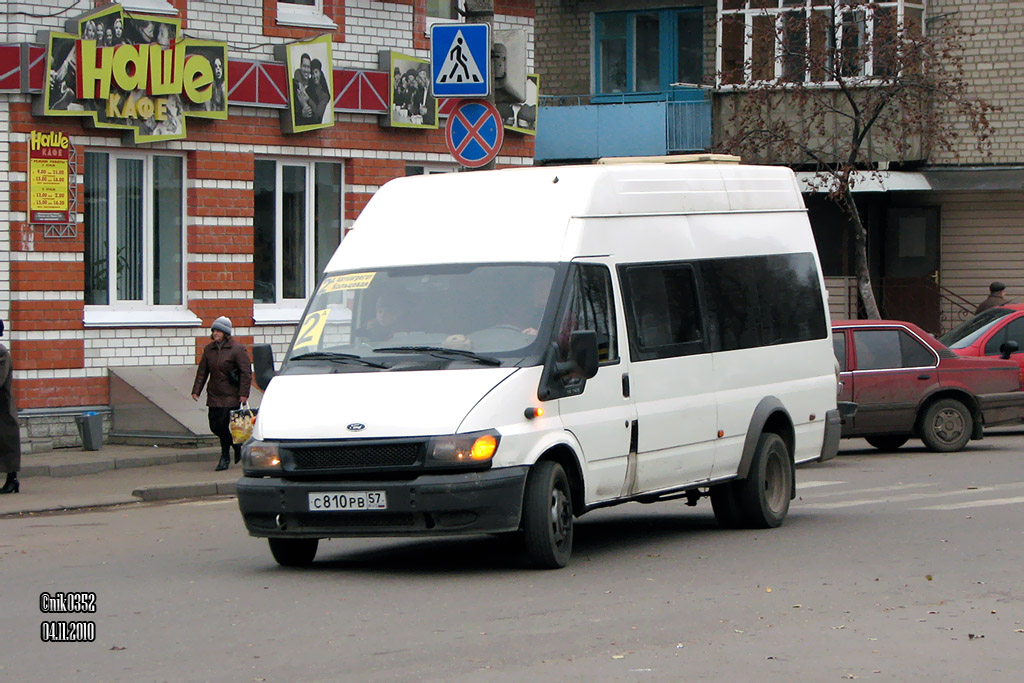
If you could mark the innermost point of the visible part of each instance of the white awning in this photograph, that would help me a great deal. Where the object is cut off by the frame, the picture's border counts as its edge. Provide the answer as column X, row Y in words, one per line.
column 867, row 181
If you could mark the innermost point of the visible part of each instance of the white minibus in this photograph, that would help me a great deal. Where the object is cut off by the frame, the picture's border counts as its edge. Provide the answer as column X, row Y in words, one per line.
column 504, row 351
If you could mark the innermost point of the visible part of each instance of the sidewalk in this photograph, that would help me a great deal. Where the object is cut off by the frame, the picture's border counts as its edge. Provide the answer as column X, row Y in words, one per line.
column 68, row 479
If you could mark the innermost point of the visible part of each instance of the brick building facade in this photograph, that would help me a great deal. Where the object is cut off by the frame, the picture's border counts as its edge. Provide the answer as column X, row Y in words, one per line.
column 970, row 203
column 68, row 322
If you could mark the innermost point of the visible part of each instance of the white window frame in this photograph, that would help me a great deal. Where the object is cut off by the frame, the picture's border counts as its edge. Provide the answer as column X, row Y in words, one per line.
column 430, row 20
column 312, row 16
column 289, row 311
column 117, row 313
column 150, row 6
column 779, row 13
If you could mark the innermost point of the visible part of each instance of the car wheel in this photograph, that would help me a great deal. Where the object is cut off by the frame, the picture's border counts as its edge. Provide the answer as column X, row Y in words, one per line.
column 725, row 505
column 764, row 495
column 293, row 552
column 946, row 426
column 887, row 443
column 547, row 516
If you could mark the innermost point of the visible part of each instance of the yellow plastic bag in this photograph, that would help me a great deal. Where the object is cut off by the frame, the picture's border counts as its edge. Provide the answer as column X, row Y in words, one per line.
column 241, row 423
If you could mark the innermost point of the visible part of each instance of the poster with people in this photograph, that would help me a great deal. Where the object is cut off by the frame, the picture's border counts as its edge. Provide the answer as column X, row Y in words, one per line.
column 522, row 116
column 412, row 104
column 310, row 86
column 157, row 80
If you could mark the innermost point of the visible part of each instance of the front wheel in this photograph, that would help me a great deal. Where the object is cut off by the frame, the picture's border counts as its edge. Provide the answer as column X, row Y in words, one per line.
column 764, row 495
column 293, row 552
column 887, row 443
column 547, row 516
column 946, row 426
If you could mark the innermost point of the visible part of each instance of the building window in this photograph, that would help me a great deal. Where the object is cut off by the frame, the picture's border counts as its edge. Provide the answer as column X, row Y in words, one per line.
column 134, row 227
column 648, row 51
column 297, row 226
column 303, row 13
column 806, row 41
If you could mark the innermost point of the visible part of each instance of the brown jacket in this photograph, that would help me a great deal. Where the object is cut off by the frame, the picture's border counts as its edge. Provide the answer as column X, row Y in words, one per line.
column 218, row 363
column 992, row 301
column 10, row 439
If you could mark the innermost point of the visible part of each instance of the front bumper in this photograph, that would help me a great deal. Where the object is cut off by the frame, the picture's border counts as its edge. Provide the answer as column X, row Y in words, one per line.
column 997, row 409
column 427, row 505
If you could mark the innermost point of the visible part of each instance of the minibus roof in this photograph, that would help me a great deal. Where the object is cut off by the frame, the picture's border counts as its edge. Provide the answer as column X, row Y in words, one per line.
column 523, row 214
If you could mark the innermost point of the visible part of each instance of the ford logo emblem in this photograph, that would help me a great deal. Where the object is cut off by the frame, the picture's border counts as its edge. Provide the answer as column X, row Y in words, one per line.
column 356, row 427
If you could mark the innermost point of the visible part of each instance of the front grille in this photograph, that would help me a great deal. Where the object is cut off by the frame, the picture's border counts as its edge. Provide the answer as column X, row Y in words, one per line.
column 356, row 456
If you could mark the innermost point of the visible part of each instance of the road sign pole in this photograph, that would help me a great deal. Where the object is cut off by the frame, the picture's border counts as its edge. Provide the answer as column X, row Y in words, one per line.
column 482, row 11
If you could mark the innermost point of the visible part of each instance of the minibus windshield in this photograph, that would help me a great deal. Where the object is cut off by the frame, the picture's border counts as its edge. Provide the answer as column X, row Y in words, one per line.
column 485, row 310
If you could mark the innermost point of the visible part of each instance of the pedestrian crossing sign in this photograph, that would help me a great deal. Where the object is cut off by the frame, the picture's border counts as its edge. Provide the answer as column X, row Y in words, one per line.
column 460, row 60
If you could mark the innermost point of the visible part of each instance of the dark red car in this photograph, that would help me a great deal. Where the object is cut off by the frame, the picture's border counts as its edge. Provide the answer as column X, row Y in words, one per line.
column 907, row 384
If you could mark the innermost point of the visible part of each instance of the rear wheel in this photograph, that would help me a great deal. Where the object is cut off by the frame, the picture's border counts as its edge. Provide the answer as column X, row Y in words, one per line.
column 293, row 552
column 946, row 426
column 887, row 443
column 764, row 496
column 547, row 516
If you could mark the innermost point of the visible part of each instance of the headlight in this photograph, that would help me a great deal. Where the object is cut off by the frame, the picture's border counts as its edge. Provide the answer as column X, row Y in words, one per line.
column 473, row 449
column 261, row 455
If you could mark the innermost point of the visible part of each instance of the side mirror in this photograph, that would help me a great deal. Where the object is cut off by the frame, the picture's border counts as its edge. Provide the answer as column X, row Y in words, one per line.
column 1007, row 349
column 583, row 352
column 263, row 362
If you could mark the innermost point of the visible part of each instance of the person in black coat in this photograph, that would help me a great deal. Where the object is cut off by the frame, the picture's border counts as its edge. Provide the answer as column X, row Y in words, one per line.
column 226, row 364
column 10, row 438
column 995, row 297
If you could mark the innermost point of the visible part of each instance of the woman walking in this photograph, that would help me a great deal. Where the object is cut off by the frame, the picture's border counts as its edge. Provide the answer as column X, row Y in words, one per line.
column 226, row 364
column 10, row 439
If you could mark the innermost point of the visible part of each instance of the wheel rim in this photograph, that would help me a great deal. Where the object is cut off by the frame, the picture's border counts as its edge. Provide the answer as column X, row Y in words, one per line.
column 561, row 516
column 775, row 483
column 948, row 425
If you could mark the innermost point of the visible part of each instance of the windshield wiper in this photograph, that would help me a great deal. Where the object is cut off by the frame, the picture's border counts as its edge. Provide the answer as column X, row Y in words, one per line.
column 336, row 357
column 439, row 351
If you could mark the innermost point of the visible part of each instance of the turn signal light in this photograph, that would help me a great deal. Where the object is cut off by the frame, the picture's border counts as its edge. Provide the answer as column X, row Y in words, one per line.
column 483, row 448
column 531, row 412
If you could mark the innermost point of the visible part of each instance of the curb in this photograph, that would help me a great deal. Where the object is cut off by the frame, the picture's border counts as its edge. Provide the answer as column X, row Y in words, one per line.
column 178, row 491
column 101, row 464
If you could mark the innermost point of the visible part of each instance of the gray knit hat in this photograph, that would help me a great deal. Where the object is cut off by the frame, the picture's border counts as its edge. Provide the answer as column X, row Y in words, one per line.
column 223, row 324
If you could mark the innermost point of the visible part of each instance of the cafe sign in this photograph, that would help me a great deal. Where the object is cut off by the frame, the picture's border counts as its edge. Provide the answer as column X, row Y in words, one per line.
column 134, row 72
column 49, row 178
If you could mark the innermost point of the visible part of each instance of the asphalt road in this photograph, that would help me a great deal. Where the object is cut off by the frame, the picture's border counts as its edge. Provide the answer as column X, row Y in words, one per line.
column 905, row 566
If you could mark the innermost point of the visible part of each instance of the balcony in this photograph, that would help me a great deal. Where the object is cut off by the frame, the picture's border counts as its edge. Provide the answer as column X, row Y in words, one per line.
column 575, row 127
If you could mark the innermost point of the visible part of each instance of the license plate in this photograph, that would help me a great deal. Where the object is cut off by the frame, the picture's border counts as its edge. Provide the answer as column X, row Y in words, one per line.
column 348, row 500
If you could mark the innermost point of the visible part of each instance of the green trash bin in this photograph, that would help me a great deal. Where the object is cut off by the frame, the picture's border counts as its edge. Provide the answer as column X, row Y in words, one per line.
column 90, row 428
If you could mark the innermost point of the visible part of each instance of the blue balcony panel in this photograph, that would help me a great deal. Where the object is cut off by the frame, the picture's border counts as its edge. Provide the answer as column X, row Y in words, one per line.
column 591, row 131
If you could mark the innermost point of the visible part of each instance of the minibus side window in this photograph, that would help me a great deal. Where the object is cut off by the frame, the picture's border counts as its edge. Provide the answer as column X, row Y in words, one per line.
column 589, row 305
column 663, row 311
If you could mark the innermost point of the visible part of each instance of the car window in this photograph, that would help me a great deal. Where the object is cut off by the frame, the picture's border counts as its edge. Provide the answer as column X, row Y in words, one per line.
column 915, row 354
column 877, row 349
column 839, row 348
column 968, row 332
column 1012, row 331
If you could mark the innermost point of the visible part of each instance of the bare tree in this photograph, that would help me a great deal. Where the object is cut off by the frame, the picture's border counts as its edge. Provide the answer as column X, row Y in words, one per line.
column 838, row 86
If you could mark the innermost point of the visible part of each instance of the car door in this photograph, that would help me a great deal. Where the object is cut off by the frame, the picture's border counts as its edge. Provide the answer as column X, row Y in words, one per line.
column 671, row 374
column 893, row 371
column 840, row 349
column 602, row 416
column 1012, row 329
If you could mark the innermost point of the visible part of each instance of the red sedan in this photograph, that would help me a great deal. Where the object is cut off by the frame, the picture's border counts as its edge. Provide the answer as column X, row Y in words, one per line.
column 907, row 384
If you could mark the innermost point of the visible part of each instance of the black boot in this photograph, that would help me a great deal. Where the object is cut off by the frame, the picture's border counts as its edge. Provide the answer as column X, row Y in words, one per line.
column 238, row 452
column 12, row 485
column 223, row 464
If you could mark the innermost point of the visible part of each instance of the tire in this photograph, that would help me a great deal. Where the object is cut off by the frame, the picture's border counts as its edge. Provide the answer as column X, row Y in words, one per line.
column 293, row 552
column 946, row 426
column 764, row 496
column 887, row 443
column 725, row 505
column 547, row 516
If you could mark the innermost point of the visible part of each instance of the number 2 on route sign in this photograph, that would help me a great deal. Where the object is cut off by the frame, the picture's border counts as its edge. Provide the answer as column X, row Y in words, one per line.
column 474, row 133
